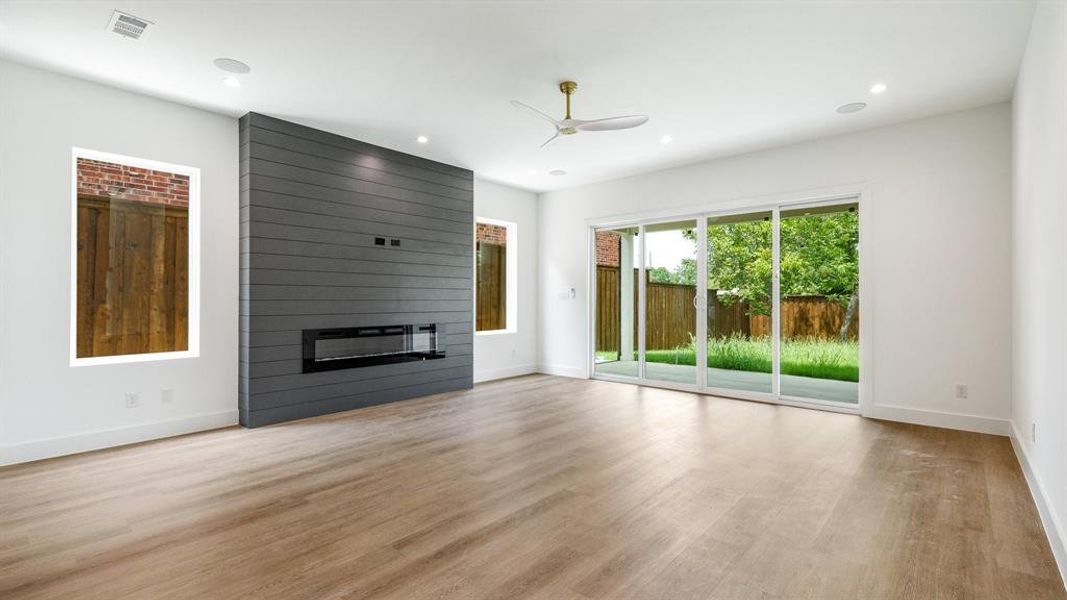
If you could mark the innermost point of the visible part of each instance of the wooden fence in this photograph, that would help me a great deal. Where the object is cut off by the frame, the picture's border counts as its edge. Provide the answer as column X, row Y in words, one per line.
column 608, row 307
column 491, row 311
column 672, row 317
column 133, row 277
column 807, row 316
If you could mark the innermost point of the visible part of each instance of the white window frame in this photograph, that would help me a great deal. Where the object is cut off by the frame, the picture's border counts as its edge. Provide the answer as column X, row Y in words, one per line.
column 193, row 173
column 511, row 278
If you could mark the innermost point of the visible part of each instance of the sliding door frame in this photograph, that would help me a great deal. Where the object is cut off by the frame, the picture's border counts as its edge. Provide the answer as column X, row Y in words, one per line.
column 701, row 301
column 857, row 194
column 773, row 396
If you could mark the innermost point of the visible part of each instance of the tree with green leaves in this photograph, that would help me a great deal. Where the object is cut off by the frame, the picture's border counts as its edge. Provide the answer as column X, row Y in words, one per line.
column 819, row 256
column 685, row 273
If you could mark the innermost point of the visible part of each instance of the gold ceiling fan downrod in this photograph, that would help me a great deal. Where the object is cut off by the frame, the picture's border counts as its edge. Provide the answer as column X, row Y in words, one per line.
column 568, row 88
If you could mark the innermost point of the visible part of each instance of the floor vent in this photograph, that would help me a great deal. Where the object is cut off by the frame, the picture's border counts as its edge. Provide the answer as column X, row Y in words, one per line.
column 128, row 25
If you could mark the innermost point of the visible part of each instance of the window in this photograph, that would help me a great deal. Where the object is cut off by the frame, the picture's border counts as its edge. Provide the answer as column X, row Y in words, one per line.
column 495, row 270
column 133, row 259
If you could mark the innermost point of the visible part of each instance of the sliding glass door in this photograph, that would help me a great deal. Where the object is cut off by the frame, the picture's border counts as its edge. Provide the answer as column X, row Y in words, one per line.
column 617, row 260
column 820, row 303
column 760, row 304
column 670, row 305
column 740, row 302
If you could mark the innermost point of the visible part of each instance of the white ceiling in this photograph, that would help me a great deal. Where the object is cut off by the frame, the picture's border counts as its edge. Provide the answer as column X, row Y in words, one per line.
column 721, row 78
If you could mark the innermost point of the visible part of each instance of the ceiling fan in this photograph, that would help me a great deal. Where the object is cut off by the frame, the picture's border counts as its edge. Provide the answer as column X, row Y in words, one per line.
column 569, row 126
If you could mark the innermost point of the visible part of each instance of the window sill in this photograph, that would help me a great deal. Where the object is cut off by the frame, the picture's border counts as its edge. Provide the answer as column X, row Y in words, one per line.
column 132, row 358
column 496, row 332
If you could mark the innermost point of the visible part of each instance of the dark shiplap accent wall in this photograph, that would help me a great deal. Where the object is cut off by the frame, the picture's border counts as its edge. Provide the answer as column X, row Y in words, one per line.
column 311, row 205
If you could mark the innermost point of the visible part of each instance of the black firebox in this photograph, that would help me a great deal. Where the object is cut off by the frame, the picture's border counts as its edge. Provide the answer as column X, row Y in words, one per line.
column 345, row 348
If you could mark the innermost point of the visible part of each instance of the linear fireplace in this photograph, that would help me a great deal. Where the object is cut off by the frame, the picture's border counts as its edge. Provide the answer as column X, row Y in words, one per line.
column 345, row 348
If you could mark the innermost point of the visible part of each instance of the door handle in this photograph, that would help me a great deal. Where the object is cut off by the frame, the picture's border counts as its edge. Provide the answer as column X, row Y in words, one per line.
column 697, row 303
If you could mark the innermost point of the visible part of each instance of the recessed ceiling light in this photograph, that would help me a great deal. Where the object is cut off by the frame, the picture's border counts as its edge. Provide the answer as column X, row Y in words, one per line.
column 851, row 107
column 878, row 88
column 232, row 66
column 231, row 82
column 557, row 172
column 532, row 171
column 422, row 139
column 666, row 139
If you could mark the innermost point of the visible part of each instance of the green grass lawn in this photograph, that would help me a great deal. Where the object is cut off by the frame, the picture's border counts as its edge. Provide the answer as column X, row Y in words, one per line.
column 822, row 359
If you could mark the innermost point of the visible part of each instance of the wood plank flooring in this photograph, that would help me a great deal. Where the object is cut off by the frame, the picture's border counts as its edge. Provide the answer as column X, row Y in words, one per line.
column 535, row 487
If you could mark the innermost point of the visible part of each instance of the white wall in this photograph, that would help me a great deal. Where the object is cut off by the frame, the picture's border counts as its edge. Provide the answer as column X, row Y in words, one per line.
column 48, row 408
column 939, row 209
column 1039, row 252
column 498, row 355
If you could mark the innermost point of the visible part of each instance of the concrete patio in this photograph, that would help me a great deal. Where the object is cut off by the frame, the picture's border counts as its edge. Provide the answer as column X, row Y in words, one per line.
column 792, row 385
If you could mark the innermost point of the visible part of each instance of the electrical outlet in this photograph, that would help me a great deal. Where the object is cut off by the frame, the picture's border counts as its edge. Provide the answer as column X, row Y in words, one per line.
column 1033, row 432
column 133, row 400
column 961, row 390
column 166, row 396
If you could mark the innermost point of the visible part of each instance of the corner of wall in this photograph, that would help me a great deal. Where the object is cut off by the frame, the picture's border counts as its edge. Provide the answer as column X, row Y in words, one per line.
column 512, row 353
column 1038, row 328
column 942, row 419
column 1056, row 539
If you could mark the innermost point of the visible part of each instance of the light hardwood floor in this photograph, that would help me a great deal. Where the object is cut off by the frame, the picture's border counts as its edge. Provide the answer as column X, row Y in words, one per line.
column 534, row 487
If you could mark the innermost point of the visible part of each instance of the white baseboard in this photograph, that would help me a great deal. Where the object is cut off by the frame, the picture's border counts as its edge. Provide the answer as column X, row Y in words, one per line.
column 933, row 418
column 515, row 371
column 562, row 371
column 95, row 440
column 1051, row 524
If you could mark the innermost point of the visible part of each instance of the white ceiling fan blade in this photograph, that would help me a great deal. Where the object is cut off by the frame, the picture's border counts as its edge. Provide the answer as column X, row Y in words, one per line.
column 612, row 123
column 551, row 140
column 533, row 110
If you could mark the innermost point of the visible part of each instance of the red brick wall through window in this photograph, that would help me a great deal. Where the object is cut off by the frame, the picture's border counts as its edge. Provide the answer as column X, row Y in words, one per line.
column 607, row 249
column 112, row 180
column 493, row 234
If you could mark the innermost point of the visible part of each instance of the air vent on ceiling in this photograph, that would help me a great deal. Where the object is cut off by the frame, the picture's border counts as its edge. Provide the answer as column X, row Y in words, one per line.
column 128, row 25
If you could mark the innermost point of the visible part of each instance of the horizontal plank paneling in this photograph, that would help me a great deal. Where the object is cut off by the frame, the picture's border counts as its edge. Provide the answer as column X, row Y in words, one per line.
column 275, row 368
column 309, row 292
column 349, row 376
column 272, row 339
column 264, row 183
column 352, row 211
column 261, row 151
column 312, row 204
column 373, row 253
column 349, row 265
column 428, row 374
column 340, row 182
column 257, row 307
column 267, row 137
column 279, row 322
column 356, row 147
column 326, row 278
column 262, row 214
column 278, row 231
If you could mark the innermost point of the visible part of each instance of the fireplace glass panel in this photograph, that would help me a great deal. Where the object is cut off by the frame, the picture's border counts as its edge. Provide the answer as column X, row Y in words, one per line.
column 326, row 349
